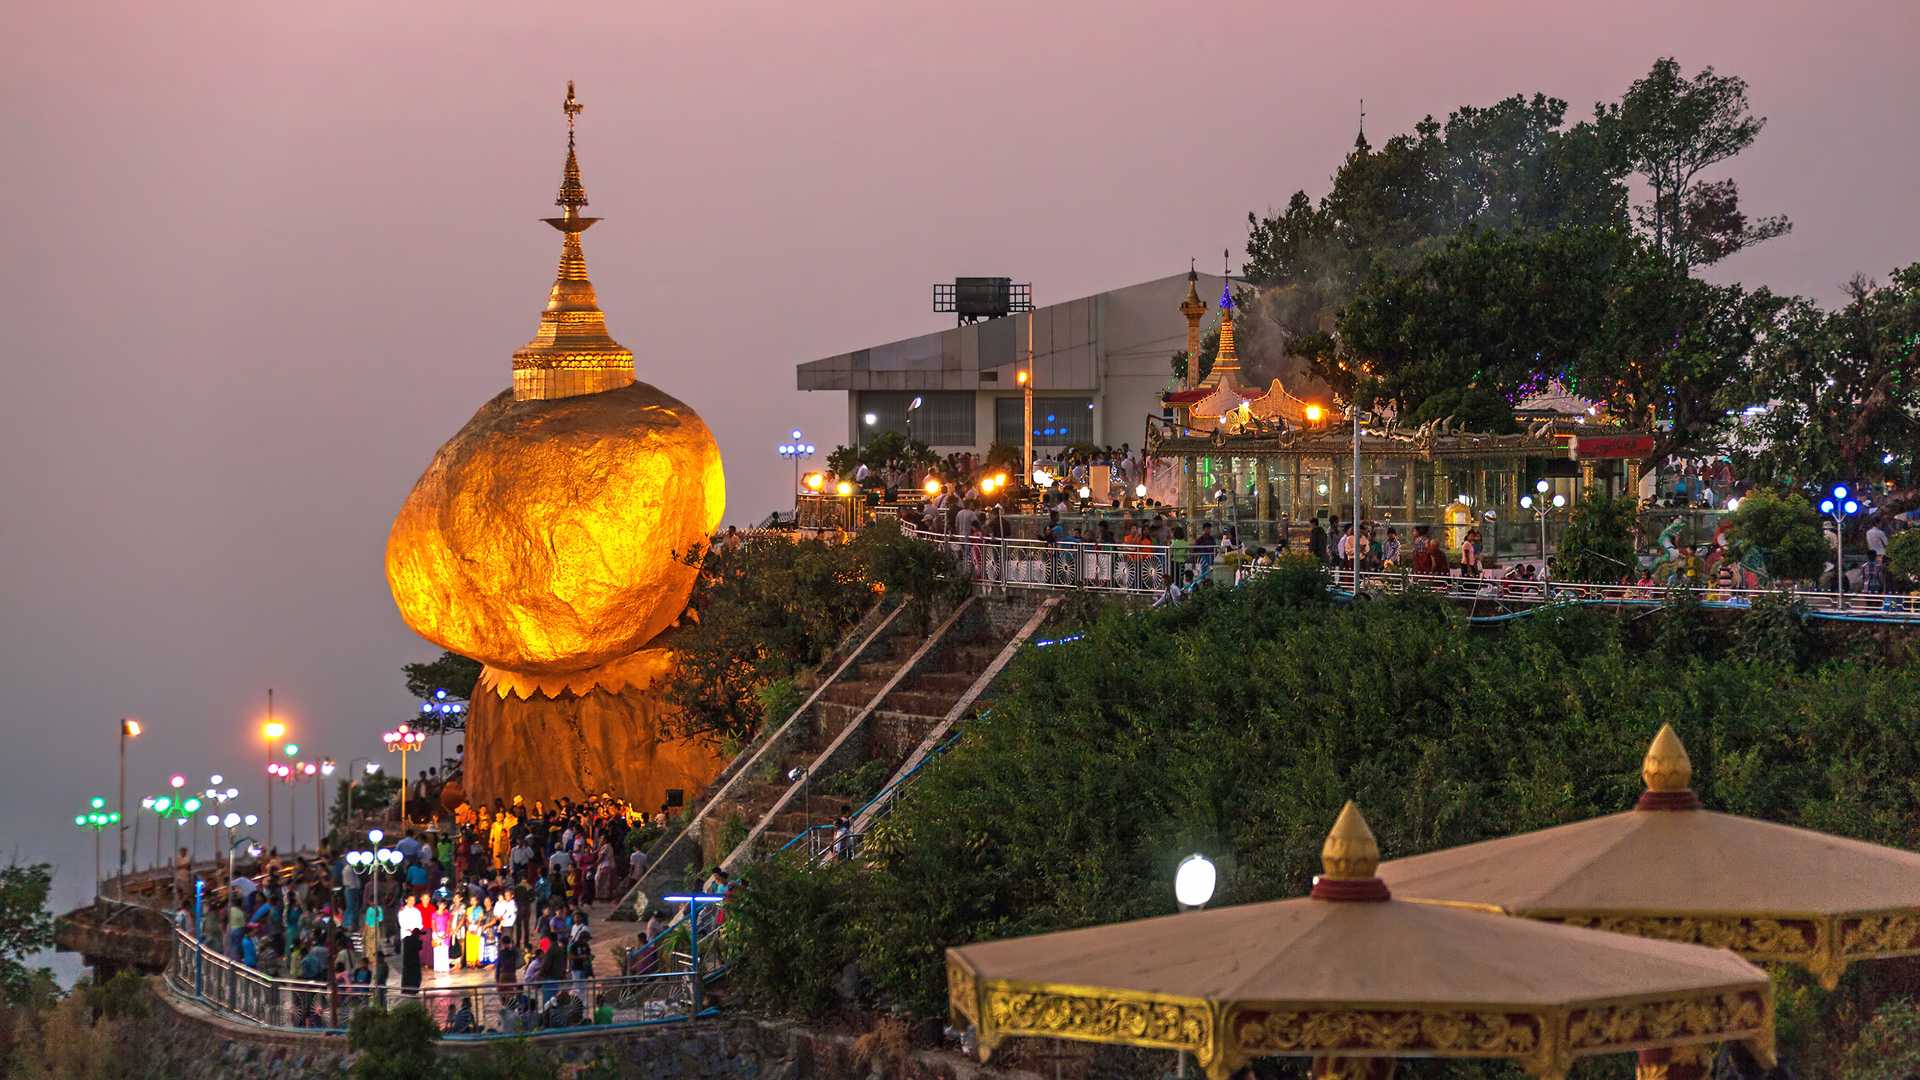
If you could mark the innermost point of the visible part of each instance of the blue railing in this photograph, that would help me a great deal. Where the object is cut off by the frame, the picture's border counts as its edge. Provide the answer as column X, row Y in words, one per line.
column 886, row 795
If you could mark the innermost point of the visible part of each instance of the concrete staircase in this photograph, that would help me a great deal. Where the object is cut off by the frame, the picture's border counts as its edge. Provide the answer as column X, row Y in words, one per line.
column 868, row 728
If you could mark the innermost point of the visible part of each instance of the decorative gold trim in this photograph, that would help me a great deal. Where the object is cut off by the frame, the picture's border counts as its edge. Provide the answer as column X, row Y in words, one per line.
column 1091, row 1014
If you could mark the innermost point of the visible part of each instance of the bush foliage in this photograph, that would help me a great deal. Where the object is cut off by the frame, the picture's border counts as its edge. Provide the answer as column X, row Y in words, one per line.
column 1237, row 724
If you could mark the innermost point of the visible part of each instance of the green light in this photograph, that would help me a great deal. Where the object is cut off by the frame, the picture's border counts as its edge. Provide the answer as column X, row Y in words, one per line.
column 192, row 805
column 162, row 803
column 293, row 749
column 97, row 802
column 80, row 820
column 113, row 818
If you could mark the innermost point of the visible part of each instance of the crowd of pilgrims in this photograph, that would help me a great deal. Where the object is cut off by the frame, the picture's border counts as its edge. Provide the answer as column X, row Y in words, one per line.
column 503, row 887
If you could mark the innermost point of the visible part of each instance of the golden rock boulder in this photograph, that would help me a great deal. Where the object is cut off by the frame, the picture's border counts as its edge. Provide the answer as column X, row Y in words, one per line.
column 547, row 535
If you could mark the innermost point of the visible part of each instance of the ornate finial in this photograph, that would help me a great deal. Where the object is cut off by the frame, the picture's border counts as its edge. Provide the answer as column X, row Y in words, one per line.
column 571, row 353
column 1226, row 301
column 1350, row 860
column 573, row 193
column 1668, row 773
column 1193, row 269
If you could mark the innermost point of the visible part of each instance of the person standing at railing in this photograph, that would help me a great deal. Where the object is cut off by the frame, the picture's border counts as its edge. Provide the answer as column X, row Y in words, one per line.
column 1206, row 547
column 1178, row 550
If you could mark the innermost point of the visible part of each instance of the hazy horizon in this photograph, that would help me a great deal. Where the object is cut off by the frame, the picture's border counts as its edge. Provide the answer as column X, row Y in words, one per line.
column 261, row 261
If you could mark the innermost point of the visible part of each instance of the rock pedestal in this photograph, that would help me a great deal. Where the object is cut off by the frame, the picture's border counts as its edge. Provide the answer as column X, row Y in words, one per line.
column 602, row 731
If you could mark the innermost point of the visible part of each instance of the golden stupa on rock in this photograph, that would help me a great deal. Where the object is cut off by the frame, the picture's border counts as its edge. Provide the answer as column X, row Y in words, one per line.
column 547, row 537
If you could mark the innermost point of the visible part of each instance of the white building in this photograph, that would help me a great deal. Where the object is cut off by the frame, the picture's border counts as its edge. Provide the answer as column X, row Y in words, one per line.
column 1100, row 365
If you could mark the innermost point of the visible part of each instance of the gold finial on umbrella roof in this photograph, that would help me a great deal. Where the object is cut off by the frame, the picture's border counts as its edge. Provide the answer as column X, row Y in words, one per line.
column 1350, row 853
column 1668, row 772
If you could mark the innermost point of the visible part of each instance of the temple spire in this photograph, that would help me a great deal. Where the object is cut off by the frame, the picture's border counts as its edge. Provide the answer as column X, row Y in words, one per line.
column 1194, row 309
column 572, row 353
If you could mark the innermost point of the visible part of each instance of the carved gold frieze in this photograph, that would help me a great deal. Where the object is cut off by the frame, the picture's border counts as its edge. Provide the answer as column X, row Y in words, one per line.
column 1132, row 1020
column 1414, row 1033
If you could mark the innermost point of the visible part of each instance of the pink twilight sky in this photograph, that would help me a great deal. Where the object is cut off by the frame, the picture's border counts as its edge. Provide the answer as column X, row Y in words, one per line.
column 261, row 259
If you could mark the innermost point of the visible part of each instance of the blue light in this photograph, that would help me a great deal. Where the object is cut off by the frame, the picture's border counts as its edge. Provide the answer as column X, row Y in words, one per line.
column 426, row 708
column 1826, row 506
column 1049, row 418
column 441, row 694
column 1226, row 298
column 1852, row 507
column 1839, row 491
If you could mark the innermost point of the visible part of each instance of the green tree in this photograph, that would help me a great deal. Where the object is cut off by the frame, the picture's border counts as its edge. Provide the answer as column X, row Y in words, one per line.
column 449, row 671
column 1481, row 311
column 766, row 610
column 1840, row 391
column 1670, row 129
column 393, row 1044
column 1780, row 531
column 1598, row 542
column 26, row 928
column 1670, row 351
column 1903, row 558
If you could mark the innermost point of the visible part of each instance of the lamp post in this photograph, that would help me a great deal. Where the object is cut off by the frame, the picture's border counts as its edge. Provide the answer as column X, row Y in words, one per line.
column 129, row 729
column 694, row 901
column 370, row 862
column 97, row 817
column 1839, row 505
column 1193, row 883
column 403, row 740
column 219, row 797
column 912, row 407
column 282, row 772
column 804, row 776
column 796, row 450
column 444, row 710
column 231, row 821
column 368, row 767
column 272, row 730
column 253, row 852
column 1025, row 378
column 861, row 435
column 1542, row 507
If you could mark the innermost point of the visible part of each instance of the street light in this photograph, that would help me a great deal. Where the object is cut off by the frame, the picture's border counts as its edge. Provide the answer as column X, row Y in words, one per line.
column 97, row 817
column 1542, row 507
column 444, row 710
column 403, row 740
column 694, row 901
column 273, row 730
column 286, row 774
column 796, row 450
column 368, row 767
column 1839, row 505
column 1193, row 883
column 129, row 729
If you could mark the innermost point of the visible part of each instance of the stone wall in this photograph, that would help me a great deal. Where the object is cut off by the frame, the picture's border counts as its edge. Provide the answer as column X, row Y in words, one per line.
column 181, row 1040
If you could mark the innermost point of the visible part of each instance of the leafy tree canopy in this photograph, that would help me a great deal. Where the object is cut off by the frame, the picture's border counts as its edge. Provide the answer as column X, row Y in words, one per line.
column 26, row 927
column 1781, row 531
column 449, row 671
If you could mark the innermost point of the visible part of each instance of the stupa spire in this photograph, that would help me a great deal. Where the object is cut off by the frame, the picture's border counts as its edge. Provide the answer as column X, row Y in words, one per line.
column 1226, row 360
column 572, row 353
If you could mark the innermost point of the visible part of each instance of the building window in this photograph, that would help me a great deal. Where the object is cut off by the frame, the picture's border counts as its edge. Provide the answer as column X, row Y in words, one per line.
column 944, row 418
column 1057, row 421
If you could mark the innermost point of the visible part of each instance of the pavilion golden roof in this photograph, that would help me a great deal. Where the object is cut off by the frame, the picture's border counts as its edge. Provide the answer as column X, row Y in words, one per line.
column 572, row 353
column 1668, row 869
column 1352, row 973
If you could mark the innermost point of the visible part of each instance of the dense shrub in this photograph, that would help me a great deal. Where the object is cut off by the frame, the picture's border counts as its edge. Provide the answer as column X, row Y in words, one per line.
column 1237, row 724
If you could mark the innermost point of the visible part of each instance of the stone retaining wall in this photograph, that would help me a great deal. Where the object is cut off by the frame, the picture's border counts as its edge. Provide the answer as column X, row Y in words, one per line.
column 181, row 1039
